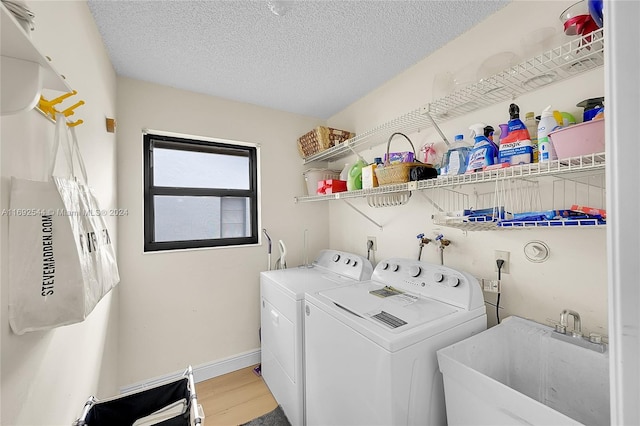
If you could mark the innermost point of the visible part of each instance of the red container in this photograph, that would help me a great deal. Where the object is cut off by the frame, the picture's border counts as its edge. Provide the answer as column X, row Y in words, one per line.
column 331, row 186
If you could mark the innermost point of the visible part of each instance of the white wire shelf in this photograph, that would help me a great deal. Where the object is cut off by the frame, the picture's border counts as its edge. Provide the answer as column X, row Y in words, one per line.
column 568, row 60
column 587, row 164
column 563, row 62
column 466, row 225
column 407, row 123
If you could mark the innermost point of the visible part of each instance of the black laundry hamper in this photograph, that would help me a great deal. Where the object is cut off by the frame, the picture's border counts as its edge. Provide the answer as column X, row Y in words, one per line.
column 173, row 403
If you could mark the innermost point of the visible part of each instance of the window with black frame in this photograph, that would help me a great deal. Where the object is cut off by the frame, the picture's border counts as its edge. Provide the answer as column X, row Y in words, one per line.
column 199, row 193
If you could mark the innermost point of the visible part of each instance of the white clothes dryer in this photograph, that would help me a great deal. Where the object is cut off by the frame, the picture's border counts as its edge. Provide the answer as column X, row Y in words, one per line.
column 282, row 321
column 371, row 346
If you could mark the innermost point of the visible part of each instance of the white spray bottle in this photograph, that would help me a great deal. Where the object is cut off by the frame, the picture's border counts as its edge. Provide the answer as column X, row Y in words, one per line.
column 547, row 124
column 484, row 152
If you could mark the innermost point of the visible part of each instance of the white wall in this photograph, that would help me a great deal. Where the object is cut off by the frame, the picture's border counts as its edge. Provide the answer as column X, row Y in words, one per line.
column 575, row 276
column 47, row 376
column 201, row 306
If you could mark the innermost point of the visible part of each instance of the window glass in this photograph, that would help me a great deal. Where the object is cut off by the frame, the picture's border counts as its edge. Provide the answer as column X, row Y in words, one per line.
column 199, row 193
column 199, row 169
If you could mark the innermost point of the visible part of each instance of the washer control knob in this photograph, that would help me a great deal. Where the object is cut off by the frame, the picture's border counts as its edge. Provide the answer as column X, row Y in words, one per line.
column 395, row 267
column 414, row 270
column 438, row 277
column 384, row 266
column 453, row 281
column 347, row 261
column 336, row 257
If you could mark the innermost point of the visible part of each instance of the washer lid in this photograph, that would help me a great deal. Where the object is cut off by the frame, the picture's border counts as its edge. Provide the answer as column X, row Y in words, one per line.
column 297, row 281
column 395, row 310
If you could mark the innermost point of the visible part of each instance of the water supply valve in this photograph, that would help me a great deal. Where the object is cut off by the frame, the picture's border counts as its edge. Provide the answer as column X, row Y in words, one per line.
column 442, row 243
column 422, row 241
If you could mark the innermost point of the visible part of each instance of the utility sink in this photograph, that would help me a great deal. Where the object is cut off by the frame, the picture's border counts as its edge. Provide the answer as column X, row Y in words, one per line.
column 522, row 372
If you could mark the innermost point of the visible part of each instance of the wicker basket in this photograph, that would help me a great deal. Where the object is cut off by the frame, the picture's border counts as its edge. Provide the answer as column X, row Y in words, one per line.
column 399, row 172
column 321, row 138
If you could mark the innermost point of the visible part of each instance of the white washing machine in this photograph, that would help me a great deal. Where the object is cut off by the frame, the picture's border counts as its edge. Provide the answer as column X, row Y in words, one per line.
column 371, row 346
column 282, row 321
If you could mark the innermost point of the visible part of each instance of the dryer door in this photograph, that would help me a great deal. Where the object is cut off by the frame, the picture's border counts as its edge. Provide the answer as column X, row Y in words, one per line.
column 278, row 342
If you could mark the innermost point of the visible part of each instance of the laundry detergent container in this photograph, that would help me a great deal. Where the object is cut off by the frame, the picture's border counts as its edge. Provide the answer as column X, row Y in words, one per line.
column 520, row 373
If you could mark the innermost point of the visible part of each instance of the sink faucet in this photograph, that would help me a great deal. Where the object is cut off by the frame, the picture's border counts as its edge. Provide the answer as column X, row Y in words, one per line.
column 564, row 319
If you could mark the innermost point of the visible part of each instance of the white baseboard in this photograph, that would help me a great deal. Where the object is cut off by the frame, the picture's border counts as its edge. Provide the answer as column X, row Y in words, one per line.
column 218, row 368
column 202, row 372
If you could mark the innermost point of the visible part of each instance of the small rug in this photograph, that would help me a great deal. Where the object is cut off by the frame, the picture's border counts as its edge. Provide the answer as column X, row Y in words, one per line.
column 273, row 418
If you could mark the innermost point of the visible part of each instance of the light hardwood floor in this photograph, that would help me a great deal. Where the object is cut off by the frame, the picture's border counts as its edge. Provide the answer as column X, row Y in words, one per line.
column 234, row 398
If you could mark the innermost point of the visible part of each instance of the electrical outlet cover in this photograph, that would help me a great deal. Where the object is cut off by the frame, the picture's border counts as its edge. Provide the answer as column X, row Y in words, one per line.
column 504, row 255
column 375, row 245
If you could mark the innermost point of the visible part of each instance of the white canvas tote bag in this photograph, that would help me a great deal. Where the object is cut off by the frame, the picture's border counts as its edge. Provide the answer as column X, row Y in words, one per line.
column 61, row 257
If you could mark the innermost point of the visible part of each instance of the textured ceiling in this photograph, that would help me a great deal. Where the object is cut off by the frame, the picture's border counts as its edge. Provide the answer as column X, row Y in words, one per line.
column 315, row 60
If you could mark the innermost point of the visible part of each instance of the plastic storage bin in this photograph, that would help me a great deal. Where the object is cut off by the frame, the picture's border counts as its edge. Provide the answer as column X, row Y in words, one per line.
column 519, row 372
column 313, row 176
column 579, row 139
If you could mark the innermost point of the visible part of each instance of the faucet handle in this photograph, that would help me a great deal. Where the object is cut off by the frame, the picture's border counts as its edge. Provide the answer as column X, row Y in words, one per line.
column 595, row 338
column 561, row 328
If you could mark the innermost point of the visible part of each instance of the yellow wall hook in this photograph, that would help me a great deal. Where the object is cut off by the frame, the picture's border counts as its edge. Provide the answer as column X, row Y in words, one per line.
column 57, row 100
column 48, row 107
column 69, row 111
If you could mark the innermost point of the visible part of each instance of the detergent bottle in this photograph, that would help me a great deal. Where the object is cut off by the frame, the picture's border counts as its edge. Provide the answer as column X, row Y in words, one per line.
column 532, row 127
column 547, row 124
column 516, row 147
column 455, row 160
column 484, row 152
column 489, row 133
column 504, row 131
column 344, row 174
column 354, row 181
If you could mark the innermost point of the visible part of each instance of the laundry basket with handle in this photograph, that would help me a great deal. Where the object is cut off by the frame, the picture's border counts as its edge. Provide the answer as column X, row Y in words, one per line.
column 399, row 172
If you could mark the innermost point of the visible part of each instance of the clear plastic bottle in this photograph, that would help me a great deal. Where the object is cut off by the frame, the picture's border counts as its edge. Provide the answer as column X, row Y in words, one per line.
column 532, row 126
column 344, row 174
column 456, row 159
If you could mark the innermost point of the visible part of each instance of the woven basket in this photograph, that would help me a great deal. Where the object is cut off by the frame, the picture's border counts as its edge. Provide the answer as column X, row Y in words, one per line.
column 321, row 138
column 399, row 172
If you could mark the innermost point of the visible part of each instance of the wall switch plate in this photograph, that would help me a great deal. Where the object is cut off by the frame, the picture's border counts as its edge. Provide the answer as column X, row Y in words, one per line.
column 374, row 247
column 504, row 255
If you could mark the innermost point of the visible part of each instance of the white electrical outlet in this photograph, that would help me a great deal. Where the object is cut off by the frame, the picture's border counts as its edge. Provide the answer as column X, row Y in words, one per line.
column 504, row 255
column 490, row 286
column 374, row 246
